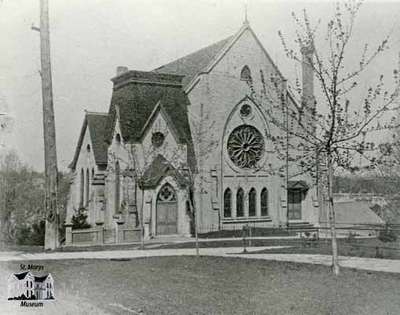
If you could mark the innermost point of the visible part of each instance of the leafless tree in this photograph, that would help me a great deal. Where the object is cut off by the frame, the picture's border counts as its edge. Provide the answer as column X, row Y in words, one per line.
column 325, row 134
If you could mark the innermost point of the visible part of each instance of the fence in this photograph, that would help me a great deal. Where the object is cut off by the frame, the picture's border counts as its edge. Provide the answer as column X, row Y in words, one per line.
column 361, row 239
column 101, row 236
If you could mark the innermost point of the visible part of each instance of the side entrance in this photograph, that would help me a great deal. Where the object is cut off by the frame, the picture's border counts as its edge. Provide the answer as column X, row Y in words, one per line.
column 167, row 211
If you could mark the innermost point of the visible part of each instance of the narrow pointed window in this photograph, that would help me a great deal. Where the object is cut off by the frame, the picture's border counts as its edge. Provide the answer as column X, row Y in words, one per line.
column 87, row 188
column 117, row 187
column 240, row 203
column 227, row 203
column 81, row 188
column 264, row 202
column 245, row 75
column 252, row 202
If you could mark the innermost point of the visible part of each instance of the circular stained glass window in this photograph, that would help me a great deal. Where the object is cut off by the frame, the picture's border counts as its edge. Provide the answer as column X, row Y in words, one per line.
column 245, row 146
column 166, row 193
column 245, row 110
column 157, row 139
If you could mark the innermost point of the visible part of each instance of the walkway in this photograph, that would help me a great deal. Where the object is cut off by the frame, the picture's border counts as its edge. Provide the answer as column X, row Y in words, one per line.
column 373, row 264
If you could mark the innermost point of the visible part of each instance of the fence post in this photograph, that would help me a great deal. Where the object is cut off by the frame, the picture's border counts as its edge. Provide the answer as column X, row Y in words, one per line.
column 68, row 234
column 100, row 235
column 249, row 229
column 244, row 238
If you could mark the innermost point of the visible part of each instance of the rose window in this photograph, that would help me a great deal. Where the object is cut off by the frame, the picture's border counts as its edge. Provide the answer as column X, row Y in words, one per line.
column 245, row 146
column 157, row 139
column 245, row 110
column 166, row 193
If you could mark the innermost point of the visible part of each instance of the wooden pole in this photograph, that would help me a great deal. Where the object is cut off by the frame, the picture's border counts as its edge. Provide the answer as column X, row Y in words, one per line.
column 50, row 153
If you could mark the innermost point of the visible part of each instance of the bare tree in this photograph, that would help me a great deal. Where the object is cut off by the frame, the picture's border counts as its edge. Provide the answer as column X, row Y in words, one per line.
column 329, row 129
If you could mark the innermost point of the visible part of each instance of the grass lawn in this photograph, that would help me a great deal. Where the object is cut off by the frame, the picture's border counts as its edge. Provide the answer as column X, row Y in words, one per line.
column 366, row 247
column 211, row 285
column 361, row 247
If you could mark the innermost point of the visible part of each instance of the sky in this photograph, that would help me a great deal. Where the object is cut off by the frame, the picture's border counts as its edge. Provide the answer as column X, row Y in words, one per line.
column 90, row 38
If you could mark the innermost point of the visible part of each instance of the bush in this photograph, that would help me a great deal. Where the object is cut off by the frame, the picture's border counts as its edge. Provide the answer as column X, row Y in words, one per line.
column 23, row 235
column 38, row 232
column 79, row 219
column 31, row 235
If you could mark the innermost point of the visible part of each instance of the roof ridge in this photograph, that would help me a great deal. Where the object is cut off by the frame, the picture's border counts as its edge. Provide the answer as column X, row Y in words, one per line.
column 195, row 62
column 196, row 51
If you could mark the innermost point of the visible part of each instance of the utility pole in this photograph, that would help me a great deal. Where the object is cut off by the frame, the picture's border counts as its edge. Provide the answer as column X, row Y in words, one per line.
column 50, row 153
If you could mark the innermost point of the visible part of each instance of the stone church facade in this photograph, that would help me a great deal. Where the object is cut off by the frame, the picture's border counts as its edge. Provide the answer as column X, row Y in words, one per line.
column 194, row 129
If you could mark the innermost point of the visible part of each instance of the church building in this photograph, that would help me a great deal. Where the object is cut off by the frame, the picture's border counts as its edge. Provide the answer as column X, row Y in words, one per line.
column 191, row 138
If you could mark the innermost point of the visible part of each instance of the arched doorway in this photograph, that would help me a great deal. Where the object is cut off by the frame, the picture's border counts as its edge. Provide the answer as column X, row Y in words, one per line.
column 167, row 211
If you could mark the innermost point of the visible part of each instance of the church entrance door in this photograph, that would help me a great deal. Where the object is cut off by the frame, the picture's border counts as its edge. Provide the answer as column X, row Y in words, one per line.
column 167, row 211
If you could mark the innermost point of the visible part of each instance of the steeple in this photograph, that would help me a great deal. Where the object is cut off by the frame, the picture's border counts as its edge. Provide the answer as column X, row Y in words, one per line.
column 246, row 21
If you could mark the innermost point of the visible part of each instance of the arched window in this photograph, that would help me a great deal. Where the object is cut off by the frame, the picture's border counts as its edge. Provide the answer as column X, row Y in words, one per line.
column 92, row 173
column 117, row 186
column 240, row 203
column 252, row 202
column 245, row 75
column 227, row 203
column 264, row 202
column 118, row 138
column 82, row 188
column 88, row 148
column 87, row 188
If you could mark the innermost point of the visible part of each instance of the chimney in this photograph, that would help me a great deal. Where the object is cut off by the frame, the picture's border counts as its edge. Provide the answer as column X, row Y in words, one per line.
column 308, row 99
column 121, row 70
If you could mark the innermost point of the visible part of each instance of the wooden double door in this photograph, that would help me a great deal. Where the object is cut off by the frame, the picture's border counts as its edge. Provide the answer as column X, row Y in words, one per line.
column 167, row 211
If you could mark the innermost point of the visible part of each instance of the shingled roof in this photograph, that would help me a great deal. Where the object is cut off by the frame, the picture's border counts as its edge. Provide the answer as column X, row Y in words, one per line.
column 352, row 212
column 136, row 94
column 157, row 170
column 192, row 64
column 96, row 123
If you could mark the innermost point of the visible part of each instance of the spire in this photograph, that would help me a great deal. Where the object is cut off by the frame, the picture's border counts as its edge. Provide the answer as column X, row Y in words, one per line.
column 246, row 21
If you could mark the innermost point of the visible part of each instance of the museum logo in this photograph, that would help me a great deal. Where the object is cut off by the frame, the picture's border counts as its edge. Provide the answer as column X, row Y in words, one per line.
column 31, row 290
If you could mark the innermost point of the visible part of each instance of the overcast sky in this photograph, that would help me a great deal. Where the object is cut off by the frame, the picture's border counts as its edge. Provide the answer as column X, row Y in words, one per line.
column 90, row 38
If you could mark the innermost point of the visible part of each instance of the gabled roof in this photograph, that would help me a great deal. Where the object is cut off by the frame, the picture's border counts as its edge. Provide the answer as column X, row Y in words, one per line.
column 204, row 60
column 157, row 170
column 160, row 109
column 353, row 212
column 21, row 276
column 96, row 122
column 190, row 65
column 41, row 279
column 136, row 95
column 297, row 185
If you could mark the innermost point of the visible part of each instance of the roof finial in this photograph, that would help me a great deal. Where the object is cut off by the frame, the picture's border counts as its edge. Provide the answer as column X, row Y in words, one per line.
column 246, row 21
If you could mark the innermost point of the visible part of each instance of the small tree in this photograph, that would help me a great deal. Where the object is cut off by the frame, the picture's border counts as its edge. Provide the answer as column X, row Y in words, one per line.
column 79, row 219
column 21, row 198
column 326, row 133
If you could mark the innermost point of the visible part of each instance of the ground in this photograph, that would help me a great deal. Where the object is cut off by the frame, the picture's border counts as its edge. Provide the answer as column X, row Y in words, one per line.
column 211, row 285
column 357, row 247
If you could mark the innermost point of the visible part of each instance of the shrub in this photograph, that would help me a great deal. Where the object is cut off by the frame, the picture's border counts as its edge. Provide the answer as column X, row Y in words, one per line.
column 31, row 235
column 23, row 235
column 38, row 232
column 79, row 219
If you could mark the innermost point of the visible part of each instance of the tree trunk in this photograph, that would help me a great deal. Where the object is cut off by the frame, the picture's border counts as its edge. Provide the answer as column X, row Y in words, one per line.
column 193, row 210
column 335, row 258
column 141, row 221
